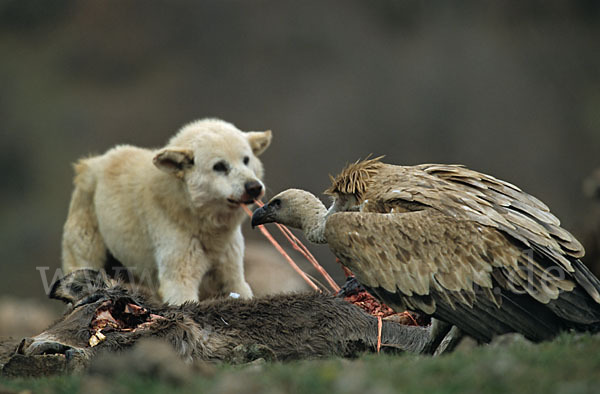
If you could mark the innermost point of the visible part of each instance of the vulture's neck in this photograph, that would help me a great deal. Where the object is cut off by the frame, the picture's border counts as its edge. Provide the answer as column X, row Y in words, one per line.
column 313, row 221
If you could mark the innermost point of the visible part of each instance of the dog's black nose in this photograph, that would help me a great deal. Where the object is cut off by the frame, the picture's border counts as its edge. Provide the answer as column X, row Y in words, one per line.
column 253, row 188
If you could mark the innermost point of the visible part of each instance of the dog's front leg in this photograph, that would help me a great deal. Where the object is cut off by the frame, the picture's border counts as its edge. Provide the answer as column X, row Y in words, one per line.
column 231, row 269
column 180, row 271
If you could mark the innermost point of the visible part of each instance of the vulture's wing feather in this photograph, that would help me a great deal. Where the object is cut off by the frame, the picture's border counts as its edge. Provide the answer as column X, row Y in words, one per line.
column 418, row 251
column 454, row 269
column 530, row 217
column 465, row 194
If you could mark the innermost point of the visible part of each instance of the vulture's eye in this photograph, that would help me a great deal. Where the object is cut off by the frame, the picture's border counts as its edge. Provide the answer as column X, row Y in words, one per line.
column 246, row 160
column 220, row 166
column 275, row 204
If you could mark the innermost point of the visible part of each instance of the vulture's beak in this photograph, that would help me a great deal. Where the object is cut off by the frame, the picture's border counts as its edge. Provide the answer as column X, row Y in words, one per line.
column 263, row 215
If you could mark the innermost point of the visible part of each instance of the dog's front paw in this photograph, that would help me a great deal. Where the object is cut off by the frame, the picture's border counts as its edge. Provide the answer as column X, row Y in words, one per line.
column 244, row 290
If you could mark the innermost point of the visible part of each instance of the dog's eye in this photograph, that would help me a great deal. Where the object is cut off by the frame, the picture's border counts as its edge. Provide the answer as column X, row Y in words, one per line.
column 246, row 160
column 220, row 166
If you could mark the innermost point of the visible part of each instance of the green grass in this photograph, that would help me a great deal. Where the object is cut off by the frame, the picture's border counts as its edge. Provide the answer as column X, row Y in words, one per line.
column 570, row 364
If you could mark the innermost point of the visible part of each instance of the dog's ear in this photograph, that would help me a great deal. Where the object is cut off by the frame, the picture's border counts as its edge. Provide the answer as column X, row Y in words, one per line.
column 174, row 160
column 79, row 284
column 259, row 141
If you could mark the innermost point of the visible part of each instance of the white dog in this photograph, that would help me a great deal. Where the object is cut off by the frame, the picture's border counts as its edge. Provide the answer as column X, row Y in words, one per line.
column 174, row 213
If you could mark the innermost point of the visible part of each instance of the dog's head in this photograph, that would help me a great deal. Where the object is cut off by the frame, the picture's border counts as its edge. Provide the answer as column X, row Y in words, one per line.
column 218, row 162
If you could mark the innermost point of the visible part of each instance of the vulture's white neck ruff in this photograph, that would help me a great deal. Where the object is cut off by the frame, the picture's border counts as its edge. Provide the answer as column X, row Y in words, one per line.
column 313, row 219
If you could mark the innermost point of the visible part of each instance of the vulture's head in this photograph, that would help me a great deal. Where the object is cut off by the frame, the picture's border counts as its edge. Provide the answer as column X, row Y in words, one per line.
column 297, row 209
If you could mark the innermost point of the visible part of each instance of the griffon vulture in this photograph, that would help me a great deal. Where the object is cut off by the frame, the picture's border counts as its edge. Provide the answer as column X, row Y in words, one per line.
column 458, row 245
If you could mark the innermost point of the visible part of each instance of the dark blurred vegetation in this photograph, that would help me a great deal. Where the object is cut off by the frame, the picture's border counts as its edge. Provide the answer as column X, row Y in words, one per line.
column 569, row 364
column 506, row 87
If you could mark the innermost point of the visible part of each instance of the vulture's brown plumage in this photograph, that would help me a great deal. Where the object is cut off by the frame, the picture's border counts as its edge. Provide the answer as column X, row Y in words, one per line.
column 456, row 244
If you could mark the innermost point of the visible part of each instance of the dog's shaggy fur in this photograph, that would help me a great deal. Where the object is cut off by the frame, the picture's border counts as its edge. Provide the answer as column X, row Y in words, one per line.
column 171, row 215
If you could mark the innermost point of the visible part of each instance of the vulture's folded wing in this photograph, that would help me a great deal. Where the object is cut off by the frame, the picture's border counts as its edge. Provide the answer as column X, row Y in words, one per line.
column 465, row 194
column 522, row 215
column 416, row 254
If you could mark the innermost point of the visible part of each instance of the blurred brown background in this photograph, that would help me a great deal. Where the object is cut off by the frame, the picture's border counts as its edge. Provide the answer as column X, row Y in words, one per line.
column 508, row 88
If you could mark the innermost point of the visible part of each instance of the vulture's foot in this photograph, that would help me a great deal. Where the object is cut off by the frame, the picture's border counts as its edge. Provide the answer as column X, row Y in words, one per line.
column 450, row 341
column 438, row 331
